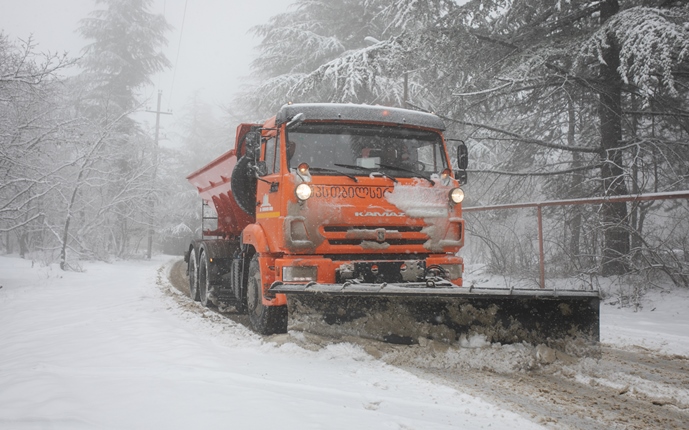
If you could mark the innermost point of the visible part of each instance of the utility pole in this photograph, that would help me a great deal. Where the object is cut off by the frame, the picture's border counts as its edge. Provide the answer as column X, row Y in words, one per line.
column 151, row 199
column 406, row 90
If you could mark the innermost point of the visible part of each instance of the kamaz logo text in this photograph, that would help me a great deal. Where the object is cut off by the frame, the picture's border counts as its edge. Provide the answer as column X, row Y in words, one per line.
column 378, row 214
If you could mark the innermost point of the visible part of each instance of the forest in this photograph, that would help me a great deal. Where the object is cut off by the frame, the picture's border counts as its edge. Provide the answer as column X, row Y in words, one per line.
column 555, row 100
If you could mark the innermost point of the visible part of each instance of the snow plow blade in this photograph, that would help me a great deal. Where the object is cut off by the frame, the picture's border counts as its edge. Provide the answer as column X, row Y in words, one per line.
column 405, row 312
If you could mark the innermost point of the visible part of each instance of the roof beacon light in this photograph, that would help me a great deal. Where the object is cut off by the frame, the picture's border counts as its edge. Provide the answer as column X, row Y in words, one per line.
column 303, row 169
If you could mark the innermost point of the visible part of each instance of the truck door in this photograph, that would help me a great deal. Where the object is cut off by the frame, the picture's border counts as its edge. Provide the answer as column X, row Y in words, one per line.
column 268, row 189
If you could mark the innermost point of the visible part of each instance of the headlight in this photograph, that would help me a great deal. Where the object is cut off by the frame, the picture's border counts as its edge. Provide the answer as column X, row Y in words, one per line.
column 457, row 195
column 303, row 191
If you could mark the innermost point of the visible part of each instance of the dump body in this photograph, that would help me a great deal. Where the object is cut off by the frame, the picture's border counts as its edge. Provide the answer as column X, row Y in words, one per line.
column 213, row 183
column 327, row 201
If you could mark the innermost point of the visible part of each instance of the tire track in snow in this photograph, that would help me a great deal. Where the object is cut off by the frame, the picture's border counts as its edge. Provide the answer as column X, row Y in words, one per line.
column 632, row 388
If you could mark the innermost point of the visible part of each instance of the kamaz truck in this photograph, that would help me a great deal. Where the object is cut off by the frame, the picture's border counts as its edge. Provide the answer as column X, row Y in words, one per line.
column 354, row 210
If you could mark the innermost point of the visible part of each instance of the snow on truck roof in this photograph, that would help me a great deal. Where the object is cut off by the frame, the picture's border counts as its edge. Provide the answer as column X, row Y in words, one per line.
column 355, row 112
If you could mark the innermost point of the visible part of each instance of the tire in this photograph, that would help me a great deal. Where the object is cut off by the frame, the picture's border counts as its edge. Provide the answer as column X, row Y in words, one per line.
column 264, row 319
column 193, row 272
column 243, row 185
column 239, row 286
column 205, row 289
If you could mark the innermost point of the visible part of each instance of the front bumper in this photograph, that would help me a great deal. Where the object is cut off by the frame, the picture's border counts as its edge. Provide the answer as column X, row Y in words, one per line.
column 436, row 269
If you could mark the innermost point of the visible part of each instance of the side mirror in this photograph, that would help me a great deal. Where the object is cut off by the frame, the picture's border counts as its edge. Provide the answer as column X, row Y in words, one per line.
column 462, row 163
column 260, row 168
column 462, row 156
column 253, row 144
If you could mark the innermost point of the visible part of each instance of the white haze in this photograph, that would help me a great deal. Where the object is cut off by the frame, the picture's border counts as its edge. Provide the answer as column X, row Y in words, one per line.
column 210, row 44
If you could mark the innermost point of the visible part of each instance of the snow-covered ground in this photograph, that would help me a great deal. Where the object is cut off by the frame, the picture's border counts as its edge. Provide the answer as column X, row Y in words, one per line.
column 112, row 348
column 661, row 324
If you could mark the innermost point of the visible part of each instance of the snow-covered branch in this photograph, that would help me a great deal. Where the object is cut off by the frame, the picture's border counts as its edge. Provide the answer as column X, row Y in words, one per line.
column 652, row 43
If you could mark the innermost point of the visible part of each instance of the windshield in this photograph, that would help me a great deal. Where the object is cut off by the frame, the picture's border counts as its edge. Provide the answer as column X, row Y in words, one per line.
column 358, row 149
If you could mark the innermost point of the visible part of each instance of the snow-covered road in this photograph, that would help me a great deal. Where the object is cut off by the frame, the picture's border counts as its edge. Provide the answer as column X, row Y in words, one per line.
column 108, row 348
column 118, row 347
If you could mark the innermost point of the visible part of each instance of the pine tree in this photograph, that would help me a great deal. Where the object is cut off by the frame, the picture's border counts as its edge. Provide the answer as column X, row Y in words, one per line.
column 203, row 137
column 124, row 52
column 536, row 48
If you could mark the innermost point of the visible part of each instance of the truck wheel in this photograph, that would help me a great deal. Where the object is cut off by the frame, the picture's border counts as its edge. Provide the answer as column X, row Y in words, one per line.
column 205, row 287
column 239, row 286
column 264, row 319
column 193, row 276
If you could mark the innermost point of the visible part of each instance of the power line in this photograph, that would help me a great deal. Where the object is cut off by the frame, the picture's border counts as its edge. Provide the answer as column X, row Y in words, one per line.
column 160, row 74
column 179, row 46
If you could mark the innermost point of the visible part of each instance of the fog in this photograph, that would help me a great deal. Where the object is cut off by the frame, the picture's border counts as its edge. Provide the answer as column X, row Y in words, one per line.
column 209, row 46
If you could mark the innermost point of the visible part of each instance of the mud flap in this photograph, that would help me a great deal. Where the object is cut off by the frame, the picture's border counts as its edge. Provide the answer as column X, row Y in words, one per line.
column 403, row 313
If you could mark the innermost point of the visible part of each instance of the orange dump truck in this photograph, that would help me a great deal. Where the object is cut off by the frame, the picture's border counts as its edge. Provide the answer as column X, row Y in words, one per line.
column 349, row 209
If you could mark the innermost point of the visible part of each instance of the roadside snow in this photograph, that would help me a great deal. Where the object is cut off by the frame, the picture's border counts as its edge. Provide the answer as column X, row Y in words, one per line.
column 661, row 324
column 107, row 348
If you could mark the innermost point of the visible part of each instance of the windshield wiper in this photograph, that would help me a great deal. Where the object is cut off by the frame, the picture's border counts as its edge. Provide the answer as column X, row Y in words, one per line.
column 367, row 169
column 326, row 170
column 402, row 169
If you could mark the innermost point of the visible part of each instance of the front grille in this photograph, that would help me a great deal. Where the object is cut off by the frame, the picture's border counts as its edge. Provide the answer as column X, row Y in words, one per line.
column 376, row 257
column 345, row 228
column 389, row 241
column 347, row 235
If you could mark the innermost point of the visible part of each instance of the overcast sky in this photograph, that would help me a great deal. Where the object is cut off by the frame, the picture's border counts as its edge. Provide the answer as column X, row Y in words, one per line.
column 214, row 53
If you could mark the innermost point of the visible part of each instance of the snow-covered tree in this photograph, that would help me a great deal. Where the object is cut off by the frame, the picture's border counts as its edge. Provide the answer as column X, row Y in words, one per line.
column 200, row 136
column 555, row 98
column 76, row 169
column 124, row 52
column 337, row 51
column 33, row 128
column 596, row 54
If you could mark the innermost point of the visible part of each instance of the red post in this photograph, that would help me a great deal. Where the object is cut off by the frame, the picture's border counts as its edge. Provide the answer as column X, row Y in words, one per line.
column 671, row 195
column 541, row 254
